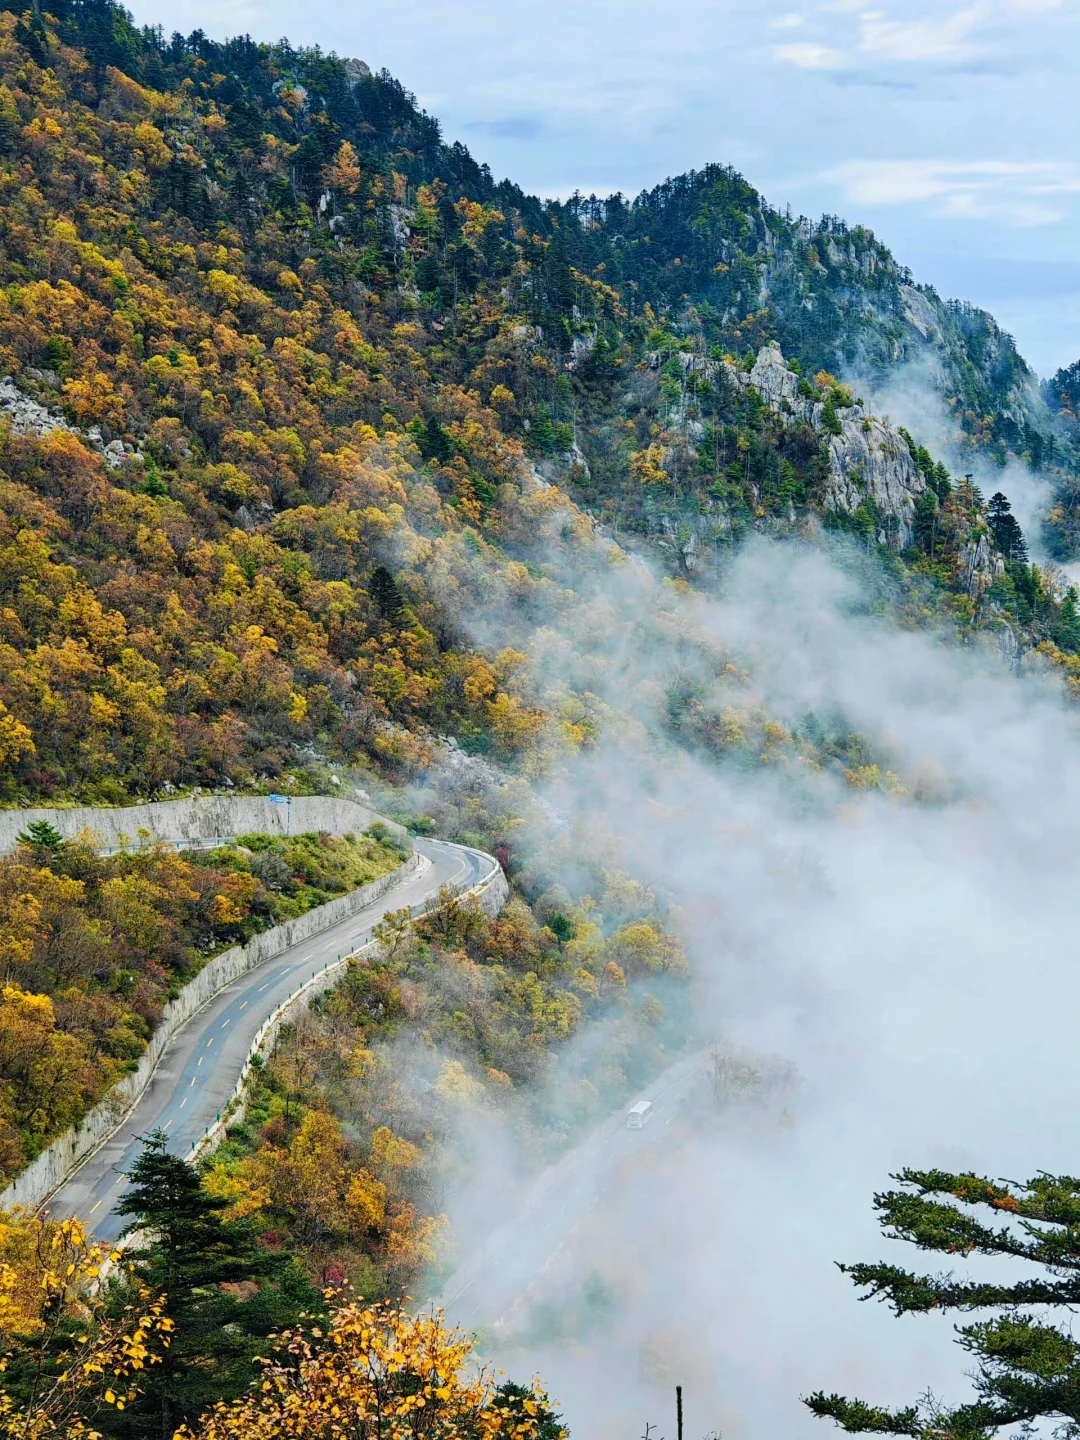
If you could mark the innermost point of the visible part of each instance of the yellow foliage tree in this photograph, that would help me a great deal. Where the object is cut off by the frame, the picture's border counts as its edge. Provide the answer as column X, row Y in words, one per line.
column 309, row 1178
column 344, row 174
column 379, row 1373
column 647, row 466
column 45, row 1074
column 365, row 1203
column 391, row 1152
column 72, row 1358
column 16, row 739
column 645, row 949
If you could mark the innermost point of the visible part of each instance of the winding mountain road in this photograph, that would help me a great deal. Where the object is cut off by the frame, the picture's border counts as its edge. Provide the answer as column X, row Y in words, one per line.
column 496, row 1278
column 199, row 1069
column 200, row 1066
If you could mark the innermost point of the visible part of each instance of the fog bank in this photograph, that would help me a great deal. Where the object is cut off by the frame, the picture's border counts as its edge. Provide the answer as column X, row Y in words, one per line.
column 909, row 948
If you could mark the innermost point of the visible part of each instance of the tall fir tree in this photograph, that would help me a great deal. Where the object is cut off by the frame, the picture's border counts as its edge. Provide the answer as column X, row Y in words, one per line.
column 224, row 1293
column 1008, row 537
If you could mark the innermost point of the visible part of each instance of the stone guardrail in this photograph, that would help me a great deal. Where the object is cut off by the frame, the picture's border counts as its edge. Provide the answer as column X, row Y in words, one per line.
column 68, row 1151
column 492, row 893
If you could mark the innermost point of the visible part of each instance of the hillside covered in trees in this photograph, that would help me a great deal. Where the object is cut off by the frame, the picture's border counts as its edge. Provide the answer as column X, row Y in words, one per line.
column 318, row 445
column 282, row 364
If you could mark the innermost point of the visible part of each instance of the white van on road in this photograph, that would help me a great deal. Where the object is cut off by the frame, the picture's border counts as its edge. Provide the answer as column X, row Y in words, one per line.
column 639, row 1115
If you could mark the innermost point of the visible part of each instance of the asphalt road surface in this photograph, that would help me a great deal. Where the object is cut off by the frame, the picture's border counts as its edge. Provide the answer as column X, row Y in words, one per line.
column 199, row 1068
column 487, row 1286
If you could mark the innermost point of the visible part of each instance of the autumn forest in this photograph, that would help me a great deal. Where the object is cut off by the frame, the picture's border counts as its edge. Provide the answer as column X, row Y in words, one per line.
column 331, row 465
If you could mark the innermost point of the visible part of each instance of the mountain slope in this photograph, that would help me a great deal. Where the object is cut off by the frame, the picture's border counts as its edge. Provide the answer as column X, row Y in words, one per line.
column 831, row 294
column 707, row 248
column 317, row 447
column 287, row 373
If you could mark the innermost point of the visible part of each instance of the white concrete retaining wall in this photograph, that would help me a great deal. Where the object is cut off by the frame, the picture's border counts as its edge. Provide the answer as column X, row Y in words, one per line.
column 202, row 817
column 58, row 1160
column 493, row 892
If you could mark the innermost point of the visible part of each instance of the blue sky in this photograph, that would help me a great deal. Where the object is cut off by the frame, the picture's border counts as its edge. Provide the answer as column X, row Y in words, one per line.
column 949, row 128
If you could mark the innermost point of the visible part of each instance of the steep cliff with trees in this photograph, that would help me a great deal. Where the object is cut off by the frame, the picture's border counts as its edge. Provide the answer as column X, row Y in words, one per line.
column 706, row 249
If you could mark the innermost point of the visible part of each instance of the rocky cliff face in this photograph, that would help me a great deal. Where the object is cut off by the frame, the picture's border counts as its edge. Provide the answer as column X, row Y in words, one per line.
column 973, row 363
column 707, row 250
column 982, row 566
column 775, row 383
column 869, row 460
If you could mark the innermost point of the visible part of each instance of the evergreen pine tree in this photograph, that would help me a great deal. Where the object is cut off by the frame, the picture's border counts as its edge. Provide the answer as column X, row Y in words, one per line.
column 32, row 32
column 940, row 482
column 191, row 1255
column 1026, row 1367
column 830, row 419
column 436, row 443
column 1065, row 630
column 43, row 839
column 1008, row 537
column 925, row 522
column 385, row 593
column 541, row 440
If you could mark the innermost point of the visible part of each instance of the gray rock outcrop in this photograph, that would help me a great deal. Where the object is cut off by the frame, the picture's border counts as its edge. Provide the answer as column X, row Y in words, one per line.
column 777, row 385
column 27, row 416
column 982, row 566
column 869, row 460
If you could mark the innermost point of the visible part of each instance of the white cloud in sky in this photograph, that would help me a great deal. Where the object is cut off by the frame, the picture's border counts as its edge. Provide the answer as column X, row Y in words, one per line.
column 934, row 38
column 919, row 35
column 809, row 56
column 790, row 21
column 882, row 39
column 1017, row 191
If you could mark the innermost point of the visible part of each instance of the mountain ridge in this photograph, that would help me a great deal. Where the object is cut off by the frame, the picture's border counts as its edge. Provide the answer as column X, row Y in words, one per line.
column 295, row 385
column 839, row 295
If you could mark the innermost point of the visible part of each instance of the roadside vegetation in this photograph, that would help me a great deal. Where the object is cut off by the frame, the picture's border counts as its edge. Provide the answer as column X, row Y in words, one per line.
column 300, row 1237
column 94, row 946
column 350, row 1133
column 202, row 1335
